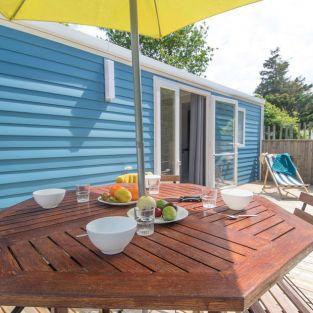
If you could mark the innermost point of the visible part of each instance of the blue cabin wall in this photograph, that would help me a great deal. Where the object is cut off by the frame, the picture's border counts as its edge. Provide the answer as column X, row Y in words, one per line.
column 248, row 156
column 56, row 130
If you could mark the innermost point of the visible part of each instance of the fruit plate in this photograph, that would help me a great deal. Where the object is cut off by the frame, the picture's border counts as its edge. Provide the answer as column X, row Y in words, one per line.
column 116, row 203
column 181, row 214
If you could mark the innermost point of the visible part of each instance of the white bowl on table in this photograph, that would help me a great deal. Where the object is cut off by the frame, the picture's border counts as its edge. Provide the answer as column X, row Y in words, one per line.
column 236, row 199
column 111, row 234
column 49, row 198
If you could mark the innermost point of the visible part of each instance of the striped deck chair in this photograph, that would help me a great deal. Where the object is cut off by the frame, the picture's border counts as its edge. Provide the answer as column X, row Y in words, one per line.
column 282, row 181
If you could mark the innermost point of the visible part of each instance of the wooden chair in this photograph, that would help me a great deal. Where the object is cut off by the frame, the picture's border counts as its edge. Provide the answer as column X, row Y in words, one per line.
column 282, row 181
column 285, row 296
column 170, row 178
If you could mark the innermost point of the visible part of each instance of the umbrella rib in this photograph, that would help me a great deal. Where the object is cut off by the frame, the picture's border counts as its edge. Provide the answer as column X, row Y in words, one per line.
column 157, row 14
column 17, row 9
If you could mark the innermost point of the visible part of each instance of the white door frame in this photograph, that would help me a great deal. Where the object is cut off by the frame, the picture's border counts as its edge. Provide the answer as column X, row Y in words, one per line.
column 214, row 99
column 159, row 83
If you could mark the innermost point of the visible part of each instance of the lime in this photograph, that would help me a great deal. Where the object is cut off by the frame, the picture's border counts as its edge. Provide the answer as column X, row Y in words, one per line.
column 161, row 204
column 112, row 199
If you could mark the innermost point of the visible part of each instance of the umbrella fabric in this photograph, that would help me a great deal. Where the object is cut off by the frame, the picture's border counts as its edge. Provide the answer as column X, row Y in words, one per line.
column 156, row 18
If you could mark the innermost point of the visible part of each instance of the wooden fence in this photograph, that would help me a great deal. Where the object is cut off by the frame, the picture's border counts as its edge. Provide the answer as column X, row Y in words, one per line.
column 298, row 131
column 301, row 151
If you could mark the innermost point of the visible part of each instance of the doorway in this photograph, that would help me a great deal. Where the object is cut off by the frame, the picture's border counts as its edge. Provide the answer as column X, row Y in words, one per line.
column 181, row 134
column 192, row 138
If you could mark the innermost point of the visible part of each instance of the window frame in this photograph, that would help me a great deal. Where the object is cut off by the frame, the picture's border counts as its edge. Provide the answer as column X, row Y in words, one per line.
column 243, row 144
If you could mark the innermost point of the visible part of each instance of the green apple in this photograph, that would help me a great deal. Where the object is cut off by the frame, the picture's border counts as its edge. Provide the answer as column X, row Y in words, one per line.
column 169, row 213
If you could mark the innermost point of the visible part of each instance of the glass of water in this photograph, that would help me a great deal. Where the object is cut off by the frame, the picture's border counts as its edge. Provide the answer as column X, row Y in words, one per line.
column 209, row 197
column 82, row 193
column 153, row 184
column 145, row 221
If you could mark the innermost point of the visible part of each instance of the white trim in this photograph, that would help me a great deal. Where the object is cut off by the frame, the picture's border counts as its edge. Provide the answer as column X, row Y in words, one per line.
column 211, row 142
column 261, row 139
column 235, row 153
column 109, row 80
column 157, row 85
column 242, row 145
column 74, row 38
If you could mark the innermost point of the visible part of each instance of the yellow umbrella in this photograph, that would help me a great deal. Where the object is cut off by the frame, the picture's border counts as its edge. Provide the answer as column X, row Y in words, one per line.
column 154, row 18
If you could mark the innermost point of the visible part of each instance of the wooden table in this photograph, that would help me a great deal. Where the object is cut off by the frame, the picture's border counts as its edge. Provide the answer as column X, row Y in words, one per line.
column 205, row 262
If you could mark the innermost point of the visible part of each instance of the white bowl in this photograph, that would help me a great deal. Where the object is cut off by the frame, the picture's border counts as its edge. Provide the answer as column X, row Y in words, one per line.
column 236, row 199
column 111, row 234
column 49, row 198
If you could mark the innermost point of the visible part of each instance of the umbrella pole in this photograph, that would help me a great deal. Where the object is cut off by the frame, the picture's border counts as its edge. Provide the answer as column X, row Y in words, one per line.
column 137, row 95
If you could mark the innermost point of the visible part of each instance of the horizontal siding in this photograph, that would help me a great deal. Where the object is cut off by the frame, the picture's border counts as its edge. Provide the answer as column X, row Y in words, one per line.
column 248, row 156
column 56, row 130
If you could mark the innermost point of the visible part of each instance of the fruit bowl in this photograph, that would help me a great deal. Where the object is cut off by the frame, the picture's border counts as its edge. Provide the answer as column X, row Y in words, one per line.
column 116, row 203
column 181, row 214
column 236, row 199
column 120, row 194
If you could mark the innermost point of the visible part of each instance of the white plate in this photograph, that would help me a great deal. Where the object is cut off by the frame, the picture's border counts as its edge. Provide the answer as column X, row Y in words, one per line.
column 116, row 203
column 181, row 214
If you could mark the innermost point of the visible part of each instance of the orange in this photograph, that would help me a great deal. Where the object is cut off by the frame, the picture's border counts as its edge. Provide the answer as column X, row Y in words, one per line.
column 114, row 188
column 134, row 191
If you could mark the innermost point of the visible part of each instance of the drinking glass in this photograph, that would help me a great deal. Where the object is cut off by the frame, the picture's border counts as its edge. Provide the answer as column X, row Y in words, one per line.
column 82, row 193
column 209, row 197
column 145, row 221
column 153, row 184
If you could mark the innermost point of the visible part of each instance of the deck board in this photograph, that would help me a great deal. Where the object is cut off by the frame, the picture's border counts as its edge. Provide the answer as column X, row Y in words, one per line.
column 302, row 276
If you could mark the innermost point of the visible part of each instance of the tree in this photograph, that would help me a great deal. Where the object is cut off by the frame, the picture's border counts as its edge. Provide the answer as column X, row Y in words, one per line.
column 273, row 115
column 292, row 95
column 186, row 48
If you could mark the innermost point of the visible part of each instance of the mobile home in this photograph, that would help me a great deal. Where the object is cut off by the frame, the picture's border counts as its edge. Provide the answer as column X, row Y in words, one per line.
column 67, row 116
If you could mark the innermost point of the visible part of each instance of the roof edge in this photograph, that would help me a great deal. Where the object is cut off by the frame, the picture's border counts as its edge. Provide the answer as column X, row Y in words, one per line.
column 69, row 36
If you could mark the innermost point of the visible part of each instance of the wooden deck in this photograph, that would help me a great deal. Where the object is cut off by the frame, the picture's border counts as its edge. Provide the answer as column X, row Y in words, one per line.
column 302, row 276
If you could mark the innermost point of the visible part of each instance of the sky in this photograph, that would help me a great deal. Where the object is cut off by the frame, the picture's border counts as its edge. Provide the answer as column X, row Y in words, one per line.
column 245, row 36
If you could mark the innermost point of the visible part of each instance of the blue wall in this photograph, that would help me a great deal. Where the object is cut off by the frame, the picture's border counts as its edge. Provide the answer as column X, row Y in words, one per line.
column 56, row 130
column 248, row 156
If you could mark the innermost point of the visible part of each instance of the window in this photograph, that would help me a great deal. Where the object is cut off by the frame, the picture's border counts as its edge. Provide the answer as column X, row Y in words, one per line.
column 241, row 127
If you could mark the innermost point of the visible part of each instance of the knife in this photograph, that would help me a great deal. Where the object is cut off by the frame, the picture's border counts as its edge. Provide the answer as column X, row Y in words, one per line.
column 184, row 199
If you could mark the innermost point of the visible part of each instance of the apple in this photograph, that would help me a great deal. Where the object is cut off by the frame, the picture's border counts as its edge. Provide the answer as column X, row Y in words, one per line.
column 157, row 212
column 146, row 203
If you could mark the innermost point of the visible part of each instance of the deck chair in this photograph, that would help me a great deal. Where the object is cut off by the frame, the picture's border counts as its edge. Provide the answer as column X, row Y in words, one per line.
column 286, row 296
column 282, row 181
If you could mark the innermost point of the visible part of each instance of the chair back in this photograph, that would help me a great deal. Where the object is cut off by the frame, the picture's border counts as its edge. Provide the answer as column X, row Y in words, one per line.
column 307, row 199
column 304, row 215
column 170, row 178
